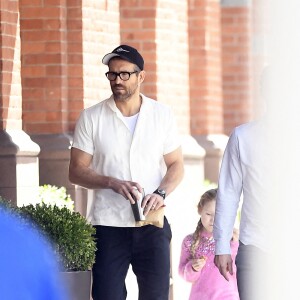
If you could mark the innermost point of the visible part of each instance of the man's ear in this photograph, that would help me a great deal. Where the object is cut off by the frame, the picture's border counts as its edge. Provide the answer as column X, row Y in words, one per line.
column 142, row 76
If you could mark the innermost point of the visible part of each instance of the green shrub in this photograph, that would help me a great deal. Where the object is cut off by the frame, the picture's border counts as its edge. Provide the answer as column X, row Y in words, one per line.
column 69, row 232
column 71, row 235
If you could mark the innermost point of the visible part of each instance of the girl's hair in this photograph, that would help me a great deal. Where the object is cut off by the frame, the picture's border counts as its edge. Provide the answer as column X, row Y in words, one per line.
column 207, row 197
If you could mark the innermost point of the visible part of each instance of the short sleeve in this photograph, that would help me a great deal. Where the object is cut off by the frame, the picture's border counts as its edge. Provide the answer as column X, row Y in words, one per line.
column 83, row 134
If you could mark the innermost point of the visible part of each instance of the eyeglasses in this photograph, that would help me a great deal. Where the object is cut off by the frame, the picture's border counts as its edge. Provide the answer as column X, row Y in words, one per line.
column 112, row 76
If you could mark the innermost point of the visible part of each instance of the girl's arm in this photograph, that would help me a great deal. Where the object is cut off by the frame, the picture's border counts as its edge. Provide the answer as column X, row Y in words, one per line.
column 185, row 268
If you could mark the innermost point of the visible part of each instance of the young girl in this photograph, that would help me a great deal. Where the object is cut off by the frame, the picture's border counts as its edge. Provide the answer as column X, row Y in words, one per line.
column 197, row 257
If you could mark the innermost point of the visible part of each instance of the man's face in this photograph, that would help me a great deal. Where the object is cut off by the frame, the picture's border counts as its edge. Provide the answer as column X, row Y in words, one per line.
column 124, row 89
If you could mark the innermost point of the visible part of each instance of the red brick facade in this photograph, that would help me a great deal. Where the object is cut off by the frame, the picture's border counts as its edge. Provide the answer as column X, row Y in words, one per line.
column 204, row 28
column 10, row 83
column 236, row 63
column 197, row 59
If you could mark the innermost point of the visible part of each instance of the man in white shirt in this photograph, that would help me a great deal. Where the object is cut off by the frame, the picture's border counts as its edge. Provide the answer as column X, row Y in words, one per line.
column 126, row 144
column 245, row 174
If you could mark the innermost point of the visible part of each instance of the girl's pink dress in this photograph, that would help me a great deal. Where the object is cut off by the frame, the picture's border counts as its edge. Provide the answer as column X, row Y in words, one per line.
column 207, row 284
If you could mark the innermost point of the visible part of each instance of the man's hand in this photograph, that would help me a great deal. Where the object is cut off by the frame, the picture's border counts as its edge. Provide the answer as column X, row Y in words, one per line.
column 128, row 189
column 224, row 264
column 152, row 202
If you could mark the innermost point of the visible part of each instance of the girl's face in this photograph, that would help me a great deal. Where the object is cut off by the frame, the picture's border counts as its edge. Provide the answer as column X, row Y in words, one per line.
column 207, row 213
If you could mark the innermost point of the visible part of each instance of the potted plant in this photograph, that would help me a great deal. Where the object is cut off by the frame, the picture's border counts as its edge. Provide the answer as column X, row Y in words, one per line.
column 71, row 235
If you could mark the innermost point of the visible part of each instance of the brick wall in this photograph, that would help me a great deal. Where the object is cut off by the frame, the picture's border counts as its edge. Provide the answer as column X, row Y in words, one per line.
column 236, row 63
column 74, row 61
column 93, row 29
column 172, row 59
column 10, row 82
column 100, row 35
column 62, row 46
column 137, row 28
column 63, row 43
column 159, row 30
column 205, row 67
column 44, row 66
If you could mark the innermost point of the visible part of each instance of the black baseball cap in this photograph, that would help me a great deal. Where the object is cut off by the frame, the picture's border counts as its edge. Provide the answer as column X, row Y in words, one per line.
column 125, row 52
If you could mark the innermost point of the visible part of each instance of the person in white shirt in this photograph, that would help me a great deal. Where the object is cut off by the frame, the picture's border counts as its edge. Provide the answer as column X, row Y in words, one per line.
column 244, row 177
column 126, row 144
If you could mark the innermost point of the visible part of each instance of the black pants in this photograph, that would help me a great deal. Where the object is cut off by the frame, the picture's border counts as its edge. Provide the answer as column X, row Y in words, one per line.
column 146, row 248
column 252, row 279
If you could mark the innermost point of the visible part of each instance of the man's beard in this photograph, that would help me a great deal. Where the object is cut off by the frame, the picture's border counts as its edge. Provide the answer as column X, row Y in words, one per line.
column 124, row 94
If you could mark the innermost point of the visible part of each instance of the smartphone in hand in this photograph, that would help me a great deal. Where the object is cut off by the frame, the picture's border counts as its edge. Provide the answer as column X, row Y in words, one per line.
column 136, row 207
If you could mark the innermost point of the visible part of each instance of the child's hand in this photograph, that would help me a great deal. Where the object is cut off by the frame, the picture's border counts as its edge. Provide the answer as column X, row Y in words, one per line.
column 198, row 263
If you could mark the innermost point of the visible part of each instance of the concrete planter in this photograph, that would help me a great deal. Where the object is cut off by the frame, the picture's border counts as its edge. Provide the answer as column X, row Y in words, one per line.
column 79, row 284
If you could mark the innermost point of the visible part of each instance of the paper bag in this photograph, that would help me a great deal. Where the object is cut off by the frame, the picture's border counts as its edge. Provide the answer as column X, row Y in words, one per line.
column 154, row 217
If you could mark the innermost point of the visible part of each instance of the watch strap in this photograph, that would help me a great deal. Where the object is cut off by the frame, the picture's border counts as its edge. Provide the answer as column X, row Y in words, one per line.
column 160, row 192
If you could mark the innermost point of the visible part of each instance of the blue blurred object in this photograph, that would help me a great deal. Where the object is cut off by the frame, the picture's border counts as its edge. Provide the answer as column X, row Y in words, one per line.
column 29, row 269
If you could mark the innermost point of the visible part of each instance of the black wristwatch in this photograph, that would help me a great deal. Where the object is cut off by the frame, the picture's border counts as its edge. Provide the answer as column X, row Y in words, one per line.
column 160, row 192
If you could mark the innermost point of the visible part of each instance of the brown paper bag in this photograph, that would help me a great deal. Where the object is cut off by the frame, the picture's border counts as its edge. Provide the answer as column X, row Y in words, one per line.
column 154, row 217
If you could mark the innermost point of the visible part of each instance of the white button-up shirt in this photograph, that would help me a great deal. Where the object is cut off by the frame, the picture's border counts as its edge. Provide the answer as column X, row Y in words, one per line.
column 102, row 132
column 244, row 171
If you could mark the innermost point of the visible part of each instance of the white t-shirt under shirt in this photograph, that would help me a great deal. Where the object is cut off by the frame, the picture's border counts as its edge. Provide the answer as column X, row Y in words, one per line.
column 131, row 122
column 102, row 132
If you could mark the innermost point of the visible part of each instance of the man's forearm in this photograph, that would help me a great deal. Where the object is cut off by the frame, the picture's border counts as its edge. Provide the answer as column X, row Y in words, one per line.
column 172, row 177
column 88, row 178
